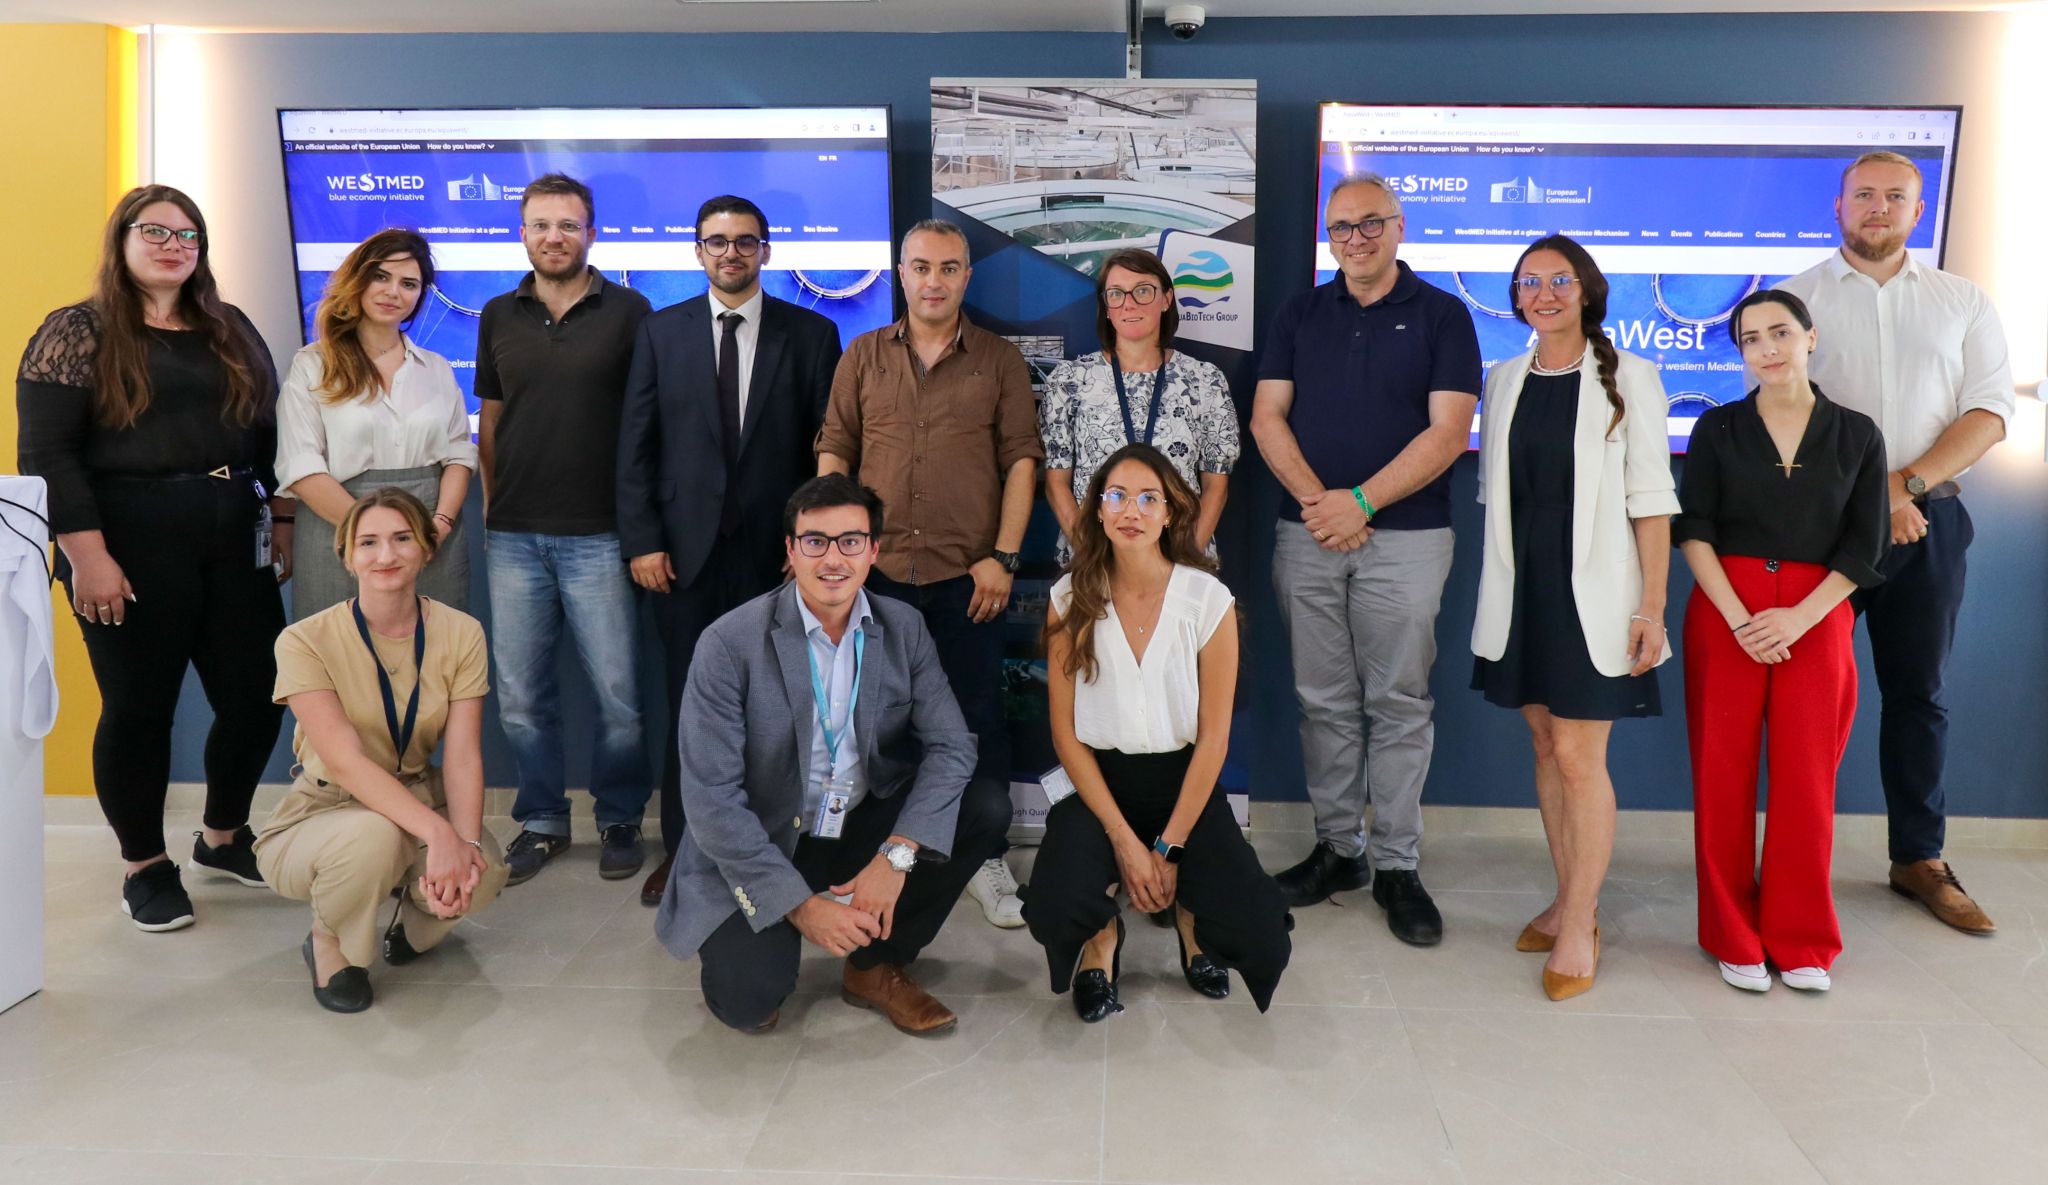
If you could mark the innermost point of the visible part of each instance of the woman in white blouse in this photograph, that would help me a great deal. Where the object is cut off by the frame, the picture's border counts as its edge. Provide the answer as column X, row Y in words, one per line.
column 1141, row 654
column 365, row 408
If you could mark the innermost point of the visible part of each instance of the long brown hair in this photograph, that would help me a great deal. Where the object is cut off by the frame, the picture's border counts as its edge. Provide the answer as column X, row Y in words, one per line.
column 346, row 370
column 1132, row 259
column 1592, row 310
column 1095, row 560
column 121, row 364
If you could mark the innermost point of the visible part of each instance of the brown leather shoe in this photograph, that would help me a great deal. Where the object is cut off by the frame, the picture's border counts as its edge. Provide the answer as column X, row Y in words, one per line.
column 656, row 883
column 890, row 991
column 767, row 1026
column 1933, row 884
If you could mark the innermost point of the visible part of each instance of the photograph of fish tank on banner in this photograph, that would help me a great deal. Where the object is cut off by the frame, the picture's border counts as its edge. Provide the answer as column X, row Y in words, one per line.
column 1048, row 178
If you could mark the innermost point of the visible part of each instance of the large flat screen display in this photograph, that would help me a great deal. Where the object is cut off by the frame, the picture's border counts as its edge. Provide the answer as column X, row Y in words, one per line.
column 1686, row 209
column 821, row 175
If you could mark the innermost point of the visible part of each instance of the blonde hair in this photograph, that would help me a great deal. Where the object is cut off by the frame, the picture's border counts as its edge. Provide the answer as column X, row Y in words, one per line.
column 390, row 498
column 1884, row 157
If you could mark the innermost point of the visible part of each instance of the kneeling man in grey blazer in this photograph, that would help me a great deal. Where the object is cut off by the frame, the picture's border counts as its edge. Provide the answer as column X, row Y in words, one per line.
column 823, row 754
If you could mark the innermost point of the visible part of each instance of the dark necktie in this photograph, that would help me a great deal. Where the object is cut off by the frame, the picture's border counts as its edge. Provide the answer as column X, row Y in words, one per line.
column 729, row 415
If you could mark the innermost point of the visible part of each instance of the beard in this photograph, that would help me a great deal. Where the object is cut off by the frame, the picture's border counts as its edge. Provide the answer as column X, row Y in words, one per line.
column 570, row 269
column 1873, row 248
column 734, row 284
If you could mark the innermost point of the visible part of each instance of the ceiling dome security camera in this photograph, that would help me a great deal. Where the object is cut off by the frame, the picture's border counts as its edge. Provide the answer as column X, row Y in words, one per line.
column 1185, row 19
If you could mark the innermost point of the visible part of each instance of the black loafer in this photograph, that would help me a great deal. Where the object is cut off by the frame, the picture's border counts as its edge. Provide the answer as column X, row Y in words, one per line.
column 397, row 951
column 1202, row 972
column 1095, row 990
column 1411, row 915
column 347, row 991
column 1324, row 872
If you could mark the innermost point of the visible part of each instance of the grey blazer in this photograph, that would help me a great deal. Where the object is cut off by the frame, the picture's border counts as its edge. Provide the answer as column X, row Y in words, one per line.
column 745, row 739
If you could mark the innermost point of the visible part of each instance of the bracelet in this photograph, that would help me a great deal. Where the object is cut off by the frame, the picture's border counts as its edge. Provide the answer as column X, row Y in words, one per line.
column 1364, row 504
column 478, row 845
column 444, row 518
column 1646, row 620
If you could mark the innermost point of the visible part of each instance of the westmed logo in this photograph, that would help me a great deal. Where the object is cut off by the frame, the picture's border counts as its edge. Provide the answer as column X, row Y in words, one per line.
column 1414, row 183
column 376, row 183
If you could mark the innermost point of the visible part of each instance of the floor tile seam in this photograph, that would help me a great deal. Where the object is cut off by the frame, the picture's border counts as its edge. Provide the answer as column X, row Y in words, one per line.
column 2040, row 1056
column 1707, row 1035
column 1443, row 1124
column 1920, row 966
column 775, row 1097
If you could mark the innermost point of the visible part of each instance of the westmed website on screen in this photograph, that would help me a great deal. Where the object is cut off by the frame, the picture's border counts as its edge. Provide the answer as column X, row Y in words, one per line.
column 1687, row 210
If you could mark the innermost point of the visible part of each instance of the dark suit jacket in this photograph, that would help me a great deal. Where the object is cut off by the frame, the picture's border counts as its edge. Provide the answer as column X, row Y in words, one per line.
column 745, row 736
column 672, row 481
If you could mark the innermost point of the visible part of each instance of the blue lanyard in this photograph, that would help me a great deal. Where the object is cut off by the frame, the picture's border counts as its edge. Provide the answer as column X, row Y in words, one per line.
column 1123, row 403
column 400, row 738
column 823, row 704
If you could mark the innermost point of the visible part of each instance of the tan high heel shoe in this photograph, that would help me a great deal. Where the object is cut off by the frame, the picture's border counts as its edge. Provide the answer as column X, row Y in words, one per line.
column 1534, row 941
column 1564, row 987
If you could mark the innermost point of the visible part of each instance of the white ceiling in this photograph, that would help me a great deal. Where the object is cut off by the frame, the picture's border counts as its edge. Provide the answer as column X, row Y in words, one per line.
column 928, row 16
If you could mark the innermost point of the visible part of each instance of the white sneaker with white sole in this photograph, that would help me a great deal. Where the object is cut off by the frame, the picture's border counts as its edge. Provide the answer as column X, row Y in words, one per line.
column 1750, row 977
column 995, row 890
column 1806, row 979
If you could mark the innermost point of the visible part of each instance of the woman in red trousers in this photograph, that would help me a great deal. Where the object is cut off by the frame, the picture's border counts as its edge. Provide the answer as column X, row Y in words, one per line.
column 1783, row 514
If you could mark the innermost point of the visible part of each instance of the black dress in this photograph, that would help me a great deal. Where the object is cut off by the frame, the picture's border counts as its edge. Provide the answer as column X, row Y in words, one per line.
column 1546, row 661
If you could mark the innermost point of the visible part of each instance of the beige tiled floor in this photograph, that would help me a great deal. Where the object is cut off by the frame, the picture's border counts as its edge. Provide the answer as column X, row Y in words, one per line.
column 555, row 1042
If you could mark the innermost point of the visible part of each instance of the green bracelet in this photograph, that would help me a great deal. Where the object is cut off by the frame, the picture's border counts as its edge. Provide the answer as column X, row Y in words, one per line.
column 1358, row 492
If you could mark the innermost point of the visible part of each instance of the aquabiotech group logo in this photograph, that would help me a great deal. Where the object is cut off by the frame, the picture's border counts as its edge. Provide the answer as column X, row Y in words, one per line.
column 475, row 188
column 1203, row 279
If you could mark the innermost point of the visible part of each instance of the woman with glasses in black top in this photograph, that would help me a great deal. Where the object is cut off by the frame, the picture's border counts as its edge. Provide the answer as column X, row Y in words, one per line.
column 150, row 409
column 1784, row 513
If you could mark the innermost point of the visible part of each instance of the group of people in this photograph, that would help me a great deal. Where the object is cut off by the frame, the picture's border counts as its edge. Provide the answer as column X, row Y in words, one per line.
column 829, row 541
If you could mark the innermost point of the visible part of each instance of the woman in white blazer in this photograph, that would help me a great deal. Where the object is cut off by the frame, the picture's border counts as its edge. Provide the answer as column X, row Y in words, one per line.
column 1575, row 475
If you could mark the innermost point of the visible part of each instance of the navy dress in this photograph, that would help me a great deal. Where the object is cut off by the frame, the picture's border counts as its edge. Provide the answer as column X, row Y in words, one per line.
column 1546, row 661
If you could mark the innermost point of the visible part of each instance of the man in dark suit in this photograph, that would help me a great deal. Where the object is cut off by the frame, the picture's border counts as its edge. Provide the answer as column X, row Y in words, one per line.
column 724, row 399
column 823, row 755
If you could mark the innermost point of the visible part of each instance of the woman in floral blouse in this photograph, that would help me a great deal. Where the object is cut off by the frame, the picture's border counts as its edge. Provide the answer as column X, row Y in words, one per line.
column 1137, row 389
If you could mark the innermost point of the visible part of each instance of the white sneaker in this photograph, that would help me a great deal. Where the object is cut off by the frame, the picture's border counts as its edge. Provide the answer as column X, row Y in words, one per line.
column 995, row 890
column 1806, row 979
column 1750, row 977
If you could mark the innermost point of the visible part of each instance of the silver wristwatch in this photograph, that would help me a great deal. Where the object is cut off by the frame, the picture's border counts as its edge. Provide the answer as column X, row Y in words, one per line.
column 902, row 857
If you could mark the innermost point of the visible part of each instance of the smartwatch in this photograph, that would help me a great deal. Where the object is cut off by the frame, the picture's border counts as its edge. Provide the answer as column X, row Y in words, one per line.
column 1010, row 560
column 1916, row 485
column 902, row 857
column 1170, row 852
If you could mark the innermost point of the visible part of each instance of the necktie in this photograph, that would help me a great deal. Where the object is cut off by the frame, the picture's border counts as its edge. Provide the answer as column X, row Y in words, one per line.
column 729, row 414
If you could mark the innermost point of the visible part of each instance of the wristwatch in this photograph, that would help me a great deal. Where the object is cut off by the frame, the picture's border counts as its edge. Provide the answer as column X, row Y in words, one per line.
column 1010, row 560
column 1169, row 852
column 902, row 857
column 1916, row 485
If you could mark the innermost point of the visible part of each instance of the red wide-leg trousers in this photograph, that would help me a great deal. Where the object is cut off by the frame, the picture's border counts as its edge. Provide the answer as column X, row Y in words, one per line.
column 1797, row 714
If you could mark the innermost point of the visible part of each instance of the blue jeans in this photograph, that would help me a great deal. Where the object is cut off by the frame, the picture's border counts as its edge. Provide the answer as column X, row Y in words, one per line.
column 537, row 582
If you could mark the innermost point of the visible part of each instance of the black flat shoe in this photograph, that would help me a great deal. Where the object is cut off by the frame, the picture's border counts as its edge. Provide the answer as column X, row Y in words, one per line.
column 1411, row 915
column 1202, row 972
column 397, row 951
column 347, row 991
column 1095, row 991
column 1324, row 872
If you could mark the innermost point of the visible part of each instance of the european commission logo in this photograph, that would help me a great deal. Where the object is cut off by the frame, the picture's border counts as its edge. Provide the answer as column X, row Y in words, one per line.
column 470, row 189
column 1203, row 279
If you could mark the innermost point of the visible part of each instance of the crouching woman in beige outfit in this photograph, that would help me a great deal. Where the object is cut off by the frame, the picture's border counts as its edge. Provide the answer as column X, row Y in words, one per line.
column 377, row 683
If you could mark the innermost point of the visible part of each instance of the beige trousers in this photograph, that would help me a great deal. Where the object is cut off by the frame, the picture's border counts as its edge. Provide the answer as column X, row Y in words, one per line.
column 346, row 861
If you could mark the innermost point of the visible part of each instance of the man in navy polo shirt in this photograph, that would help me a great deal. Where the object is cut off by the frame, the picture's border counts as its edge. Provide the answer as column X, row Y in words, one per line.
column 1365, row 398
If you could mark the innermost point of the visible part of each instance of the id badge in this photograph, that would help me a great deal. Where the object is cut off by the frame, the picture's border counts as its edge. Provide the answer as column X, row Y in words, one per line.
column 266, row 553
column 831, row 817
column 1056, row 784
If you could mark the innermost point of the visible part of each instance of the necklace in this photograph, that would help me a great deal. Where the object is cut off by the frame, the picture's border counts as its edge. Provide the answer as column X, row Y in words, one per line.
column 1537, row 367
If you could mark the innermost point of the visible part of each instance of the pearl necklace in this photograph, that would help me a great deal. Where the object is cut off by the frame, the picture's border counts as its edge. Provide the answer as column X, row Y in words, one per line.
column 1549, row 372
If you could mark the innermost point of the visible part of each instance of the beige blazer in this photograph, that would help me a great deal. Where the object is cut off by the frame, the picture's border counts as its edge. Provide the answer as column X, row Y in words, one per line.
column 1618, row 478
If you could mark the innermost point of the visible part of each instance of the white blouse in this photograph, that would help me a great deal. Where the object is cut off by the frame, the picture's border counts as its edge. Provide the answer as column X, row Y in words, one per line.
column 1151, row 706
column 421, row 421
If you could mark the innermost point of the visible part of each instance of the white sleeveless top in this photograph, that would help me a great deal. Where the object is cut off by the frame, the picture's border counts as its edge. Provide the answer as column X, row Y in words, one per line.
column 1153, row 706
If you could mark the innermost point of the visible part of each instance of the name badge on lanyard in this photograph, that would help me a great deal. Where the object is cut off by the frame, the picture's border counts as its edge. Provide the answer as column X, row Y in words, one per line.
column 401, row 735
column 1123, row 403
column 830, row 819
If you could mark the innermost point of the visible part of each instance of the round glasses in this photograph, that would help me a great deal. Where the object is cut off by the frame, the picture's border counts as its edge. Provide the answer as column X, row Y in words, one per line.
column 1141, row 294
column 815, row 545
column 1148, row 503
column 747, row 245
column 156, row 234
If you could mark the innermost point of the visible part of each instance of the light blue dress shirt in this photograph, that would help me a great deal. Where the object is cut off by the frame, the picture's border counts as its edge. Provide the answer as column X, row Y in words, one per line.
column 835, row 667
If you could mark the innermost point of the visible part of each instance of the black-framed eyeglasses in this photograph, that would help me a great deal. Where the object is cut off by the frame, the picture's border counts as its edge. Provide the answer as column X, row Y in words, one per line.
column 570, row 228
column 1557, row 283
column 815, row 545
column 747, row 245
column 1141, row 293
column 1148, row 503
column 156, row 234
column 1371, row 228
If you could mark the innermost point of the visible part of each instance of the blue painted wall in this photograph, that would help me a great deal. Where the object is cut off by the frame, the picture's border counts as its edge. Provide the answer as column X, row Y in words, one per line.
column 1997, row 692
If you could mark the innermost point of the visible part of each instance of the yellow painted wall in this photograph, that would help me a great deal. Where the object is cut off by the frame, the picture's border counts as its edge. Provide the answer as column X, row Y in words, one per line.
column 72, row 92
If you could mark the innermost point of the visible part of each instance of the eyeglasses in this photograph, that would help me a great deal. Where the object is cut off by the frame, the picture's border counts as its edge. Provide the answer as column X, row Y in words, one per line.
column 1371, row 228
column 747, row 245
column 1142, row 294
column 851, row 543
column 1558, row 283
column 157, row 235
column 569, row 228
column 1148, row 503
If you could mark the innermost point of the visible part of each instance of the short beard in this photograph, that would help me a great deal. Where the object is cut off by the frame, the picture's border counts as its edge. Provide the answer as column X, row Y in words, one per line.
column 733, row 287
column 1873, row 249
column 570, row 272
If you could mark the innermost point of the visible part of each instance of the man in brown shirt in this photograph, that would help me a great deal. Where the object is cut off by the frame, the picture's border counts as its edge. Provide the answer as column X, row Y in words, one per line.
column 936, row 415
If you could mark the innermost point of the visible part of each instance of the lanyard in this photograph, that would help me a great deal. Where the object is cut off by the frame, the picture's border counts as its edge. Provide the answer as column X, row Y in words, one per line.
column 1123, row 404
column 823, row 704
column 400, row 739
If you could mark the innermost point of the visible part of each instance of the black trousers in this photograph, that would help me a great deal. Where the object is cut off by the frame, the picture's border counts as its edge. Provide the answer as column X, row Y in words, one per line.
column 1912, row 622
column 727, row 580
column 971, row 654
column 188, row 548
column 746, row 975
column 1241, row 920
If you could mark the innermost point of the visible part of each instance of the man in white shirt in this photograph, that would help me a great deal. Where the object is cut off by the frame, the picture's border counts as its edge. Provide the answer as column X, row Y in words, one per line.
column 1920, row 351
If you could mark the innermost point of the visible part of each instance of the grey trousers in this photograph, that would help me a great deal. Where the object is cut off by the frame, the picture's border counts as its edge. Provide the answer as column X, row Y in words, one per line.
column 1362, row 627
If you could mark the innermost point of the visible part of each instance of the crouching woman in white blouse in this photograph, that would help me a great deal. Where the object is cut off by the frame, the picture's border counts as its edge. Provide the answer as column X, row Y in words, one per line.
column 1141, row 655
column 364, row 408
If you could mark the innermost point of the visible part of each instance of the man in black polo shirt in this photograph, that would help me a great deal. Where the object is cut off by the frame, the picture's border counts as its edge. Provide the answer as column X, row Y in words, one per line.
column 1365, row 398
column 551, row 363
